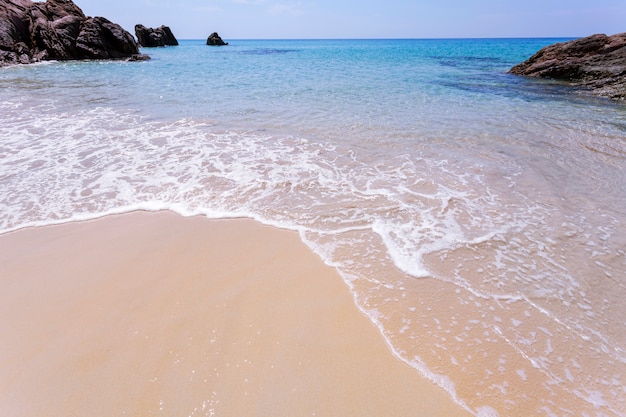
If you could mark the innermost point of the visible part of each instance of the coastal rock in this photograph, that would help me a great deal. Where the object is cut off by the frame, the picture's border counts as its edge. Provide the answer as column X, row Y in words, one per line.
column 59, row 30
column 101, row 39
column 597, row 62
column 154, row 37
column 215, row 40
column 14, row 31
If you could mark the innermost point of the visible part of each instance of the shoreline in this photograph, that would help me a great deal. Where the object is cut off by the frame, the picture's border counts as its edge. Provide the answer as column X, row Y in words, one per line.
column 153, row 313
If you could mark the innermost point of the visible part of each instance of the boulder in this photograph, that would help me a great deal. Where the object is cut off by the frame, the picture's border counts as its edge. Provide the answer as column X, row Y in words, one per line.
column 15, row 31
column 597, row 62
column 101, row 39
column 59, row 30
column 215, row 40
column 154, row 37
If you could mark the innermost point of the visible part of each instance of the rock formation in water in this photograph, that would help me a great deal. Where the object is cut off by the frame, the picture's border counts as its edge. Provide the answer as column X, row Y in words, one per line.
column 59, row 30
column 597, row 62
column 155, row 37
column 215, row 40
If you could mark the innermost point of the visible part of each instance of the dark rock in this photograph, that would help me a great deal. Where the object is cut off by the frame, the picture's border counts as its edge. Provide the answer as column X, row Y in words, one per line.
column 14, row 31
column 59, row 30
column 215, row 40
column 597, row 62
column 54, row 26
column 101, row 39
column 154, row 37
column 139, row 57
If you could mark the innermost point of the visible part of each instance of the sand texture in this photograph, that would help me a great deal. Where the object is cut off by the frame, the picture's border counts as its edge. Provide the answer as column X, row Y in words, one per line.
column 153, row 314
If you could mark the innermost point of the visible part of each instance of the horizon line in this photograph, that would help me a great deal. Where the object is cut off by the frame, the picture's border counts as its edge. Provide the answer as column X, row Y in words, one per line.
column 388, row 39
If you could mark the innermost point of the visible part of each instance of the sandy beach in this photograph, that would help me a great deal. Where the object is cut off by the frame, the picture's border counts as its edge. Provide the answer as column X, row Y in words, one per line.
column 151, row 313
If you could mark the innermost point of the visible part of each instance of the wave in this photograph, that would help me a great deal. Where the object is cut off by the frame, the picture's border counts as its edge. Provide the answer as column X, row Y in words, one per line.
column 478, row 284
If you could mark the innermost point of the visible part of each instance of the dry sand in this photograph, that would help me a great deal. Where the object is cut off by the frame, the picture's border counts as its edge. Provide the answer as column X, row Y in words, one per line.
column 147, row 314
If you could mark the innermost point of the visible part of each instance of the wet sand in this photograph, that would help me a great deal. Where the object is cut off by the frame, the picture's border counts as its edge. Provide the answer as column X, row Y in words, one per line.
column 147, row 314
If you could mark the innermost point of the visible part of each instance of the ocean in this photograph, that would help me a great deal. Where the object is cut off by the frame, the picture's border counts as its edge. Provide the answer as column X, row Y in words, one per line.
column 478, row 218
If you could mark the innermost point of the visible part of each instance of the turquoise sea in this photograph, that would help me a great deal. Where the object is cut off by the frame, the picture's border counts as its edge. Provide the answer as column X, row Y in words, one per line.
column 478, row 218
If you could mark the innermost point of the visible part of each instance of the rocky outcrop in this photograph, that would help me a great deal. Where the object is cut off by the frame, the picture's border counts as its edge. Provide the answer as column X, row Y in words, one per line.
column 59, row 30
column 597, row 62
column 155, row 37
column 215, row 40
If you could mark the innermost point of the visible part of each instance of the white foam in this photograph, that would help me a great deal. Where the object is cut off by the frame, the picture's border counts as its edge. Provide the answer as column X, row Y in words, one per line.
column 486, row 412
column 361, row 213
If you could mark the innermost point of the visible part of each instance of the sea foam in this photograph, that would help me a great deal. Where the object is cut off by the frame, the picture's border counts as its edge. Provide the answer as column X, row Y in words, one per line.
column 480, row 227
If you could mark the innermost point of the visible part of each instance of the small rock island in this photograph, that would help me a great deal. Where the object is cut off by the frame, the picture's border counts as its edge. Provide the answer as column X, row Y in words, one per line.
column 59, row 30
column 155, row 37
column 215, row 40
column 597, row 62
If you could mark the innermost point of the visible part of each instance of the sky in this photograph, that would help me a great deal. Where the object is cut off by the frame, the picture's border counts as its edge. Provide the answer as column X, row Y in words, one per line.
column 320, row 19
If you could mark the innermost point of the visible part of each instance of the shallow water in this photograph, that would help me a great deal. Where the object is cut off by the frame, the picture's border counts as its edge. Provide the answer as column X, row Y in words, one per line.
column 479, row 218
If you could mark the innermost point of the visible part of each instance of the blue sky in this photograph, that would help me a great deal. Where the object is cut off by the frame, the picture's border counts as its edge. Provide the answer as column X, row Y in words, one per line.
column 289, row 19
